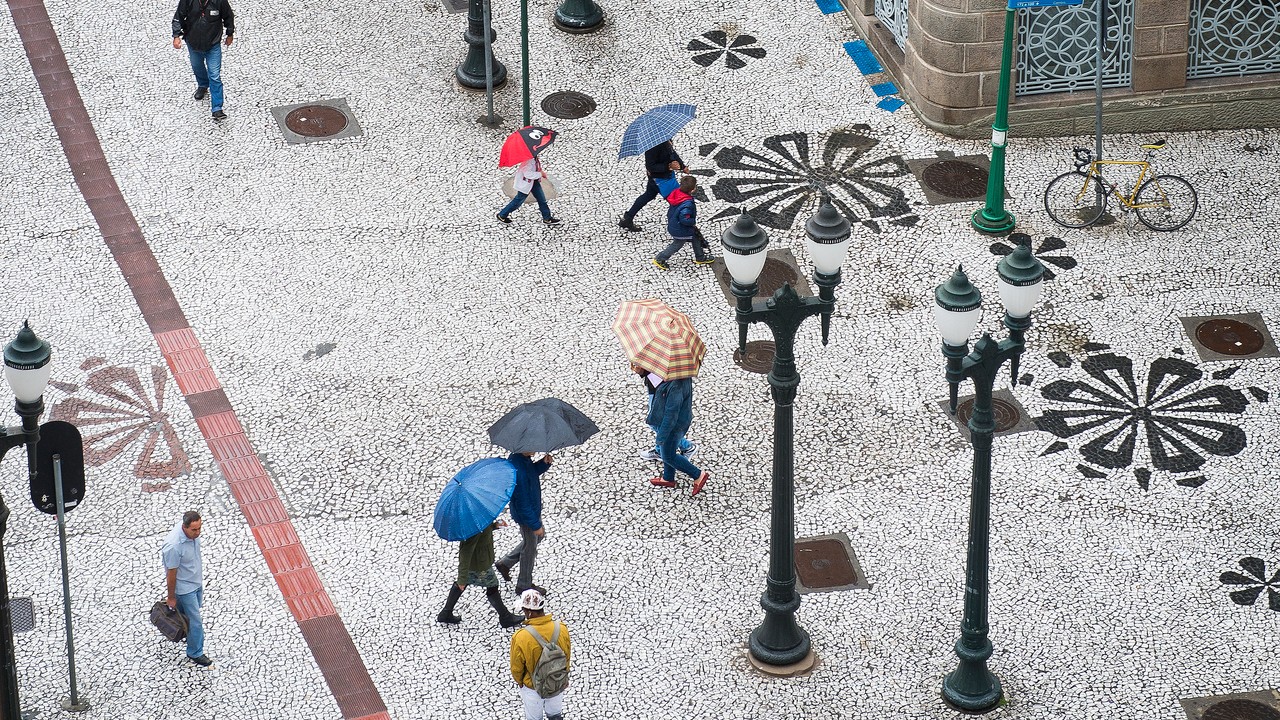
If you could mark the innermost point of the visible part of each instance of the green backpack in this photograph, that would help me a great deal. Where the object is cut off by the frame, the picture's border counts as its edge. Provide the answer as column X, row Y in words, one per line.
column 551, row 672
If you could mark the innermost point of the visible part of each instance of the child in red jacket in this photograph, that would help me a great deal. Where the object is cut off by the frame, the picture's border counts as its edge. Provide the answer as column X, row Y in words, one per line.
column 682, row 224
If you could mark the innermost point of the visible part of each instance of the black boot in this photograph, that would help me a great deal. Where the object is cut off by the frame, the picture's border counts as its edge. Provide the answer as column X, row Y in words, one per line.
column 506, row 618
column 628, row 224
column 446, row 615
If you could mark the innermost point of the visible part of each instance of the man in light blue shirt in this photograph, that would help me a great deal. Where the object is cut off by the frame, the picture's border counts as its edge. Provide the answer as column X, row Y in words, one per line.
column 184, row 580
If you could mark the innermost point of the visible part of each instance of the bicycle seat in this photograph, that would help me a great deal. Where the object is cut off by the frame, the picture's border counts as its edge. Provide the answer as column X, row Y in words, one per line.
column 1157, row 145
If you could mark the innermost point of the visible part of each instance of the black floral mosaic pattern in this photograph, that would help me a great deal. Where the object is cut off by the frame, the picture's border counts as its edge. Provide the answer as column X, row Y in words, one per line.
column 1047, row 252
column 786, row 175
column 714, row 44
column 1254, row 582
column 1178, row 417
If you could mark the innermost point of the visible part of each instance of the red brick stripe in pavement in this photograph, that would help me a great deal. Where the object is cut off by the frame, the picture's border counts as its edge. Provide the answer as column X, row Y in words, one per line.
column 326, row 636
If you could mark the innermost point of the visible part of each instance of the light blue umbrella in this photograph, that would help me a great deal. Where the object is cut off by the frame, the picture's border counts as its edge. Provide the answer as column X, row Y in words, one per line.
column 474, row 498
column 654, row 128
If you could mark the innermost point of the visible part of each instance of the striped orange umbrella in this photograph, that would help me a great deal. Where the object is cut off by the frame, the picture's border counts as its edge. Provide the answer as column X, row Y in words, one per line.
column 659, row 339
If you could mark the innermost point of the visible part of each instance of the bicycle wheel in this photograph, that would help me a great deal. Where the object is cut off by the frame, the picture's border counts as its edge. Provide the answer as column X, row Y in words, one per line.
column 1166, row 202
column 1072, row 199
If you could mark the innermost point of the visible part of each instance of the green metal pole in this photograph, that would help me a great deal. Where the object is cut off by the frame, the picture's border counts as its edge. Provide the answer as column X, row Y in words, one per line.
column 971, row 686
column 524, row 57
column 993, row 218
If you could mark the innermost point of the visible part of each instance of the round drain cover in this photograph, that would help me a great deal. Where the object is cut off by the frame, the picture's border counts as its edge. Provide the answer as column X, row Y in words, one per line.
column 956, row 178
column 1004, row 413
column 1229, row 337
column 758, row 358
column 568, row 105
column 1240, row 710
column 316, row 121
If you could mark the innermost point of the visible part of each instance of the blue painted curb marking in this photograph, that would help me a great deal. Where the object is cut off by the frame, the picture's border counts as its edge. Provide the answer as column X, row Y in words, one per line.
column 890, row 104
column 884, row 88
column 829, row 6
column 862, row 57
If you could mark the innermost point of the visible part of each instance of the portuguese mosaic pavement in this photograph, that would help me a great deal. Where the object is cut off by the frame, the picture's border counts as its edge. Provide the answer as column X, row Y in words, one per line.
column 343, row 320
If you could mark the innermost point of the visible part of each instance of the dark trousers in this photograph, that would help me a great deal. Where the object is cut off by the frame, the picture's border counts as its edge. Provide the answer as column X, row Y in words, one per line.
column 524, row 554
column 650, row 192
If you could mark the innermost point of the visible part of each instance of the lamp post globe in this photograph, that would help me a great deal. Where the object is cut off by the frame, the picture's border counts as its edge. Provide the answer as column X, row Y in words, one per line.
column 828, row 235
column 26, row 365
column 1021, row 278
column 744, row 250
column 957, row 308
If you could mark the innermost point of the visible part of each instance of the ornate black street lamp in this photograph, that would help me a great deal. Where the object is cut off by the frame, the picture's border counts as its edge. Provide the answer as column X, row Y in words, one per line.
column 579, row 16
column 470, row 72
column 779, row 640
column 971, row 686
column 26, row 369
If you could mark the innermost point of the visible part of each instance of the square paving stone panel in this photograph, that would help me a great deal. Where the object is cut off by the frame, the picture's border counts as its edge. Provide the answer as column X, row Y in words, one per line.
column 779, row 266
column 826, row 563
column 1009, row 414
column 1260, row 705
column 950, row 179
column 316, row 121
column 1230, row 337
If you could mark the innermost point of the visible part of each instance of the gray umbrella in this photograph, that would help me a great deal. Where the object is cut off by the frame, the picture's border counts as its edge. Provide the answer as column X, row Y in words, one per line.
column 542, row 426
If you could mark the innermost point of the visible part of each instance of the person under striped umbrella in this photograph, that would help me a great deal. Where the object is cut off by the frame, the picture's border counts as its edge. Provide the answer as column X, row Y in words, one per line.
column 664, row 342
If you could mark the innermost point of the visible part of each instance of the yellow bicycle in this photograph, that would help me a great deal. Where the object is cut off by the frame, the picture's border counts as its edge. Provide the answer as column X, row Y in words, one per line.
column 1078, row 199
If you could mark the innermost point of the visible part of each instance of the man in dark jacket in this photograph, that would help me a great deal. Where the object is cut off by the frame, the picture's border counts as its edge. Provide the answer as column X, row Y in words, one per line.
column 660, row 161
column 201, row 23
column 526, row 510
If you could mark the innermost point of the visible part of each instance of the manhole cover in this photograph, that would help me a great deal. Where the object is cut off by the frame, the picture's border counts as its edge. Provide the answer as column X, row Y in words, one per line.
column 316, row 121
column 824, row 564
column 23, row 613
column 956, row 178
column 568, row 105
column 774, row 274
column 1006, row 414
column 758, row 358
column 1240, row 710
column 1229, row 337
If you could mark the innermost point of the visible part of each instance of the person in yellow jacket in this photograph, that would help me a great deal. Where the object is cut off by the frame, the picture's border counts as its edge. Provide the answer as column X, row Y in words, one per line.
column 526, row 651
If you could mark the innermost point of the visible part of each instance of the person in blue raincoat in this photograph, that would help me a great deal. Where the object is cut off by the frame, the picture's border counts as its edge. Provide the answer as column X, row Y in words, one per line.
column 671, row 412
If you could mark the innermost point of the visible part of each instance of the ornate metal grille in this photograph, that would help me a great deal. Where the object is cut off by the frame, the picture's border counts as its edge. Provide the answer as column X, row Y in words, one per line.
column 1057, row 48
column 893, row 13
column 1233, row 37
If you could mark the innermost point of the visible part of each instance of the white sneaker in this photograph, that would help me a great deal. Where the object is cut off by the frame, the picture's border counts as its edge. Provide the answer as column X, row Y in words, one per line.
column 650, row 454
column 691, row 450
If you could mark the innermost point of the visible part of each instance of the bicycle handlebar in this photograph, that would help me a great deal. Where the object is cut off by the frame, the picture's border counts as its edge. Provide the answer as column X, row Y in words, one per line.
column 1084, row 156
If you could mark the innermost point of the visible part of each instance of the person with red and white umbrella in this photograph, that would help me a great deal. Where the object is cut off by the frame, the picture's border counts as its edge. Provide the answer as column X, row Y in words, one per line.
column 521, row 150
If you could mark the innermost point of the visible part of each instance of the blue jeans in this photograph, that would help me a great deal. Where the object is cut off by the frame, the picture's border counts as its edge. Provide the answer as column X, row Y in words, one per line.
column 518, row 200
column 207, row 66
column 672, row 460
column 189, row 605
column 683, row 443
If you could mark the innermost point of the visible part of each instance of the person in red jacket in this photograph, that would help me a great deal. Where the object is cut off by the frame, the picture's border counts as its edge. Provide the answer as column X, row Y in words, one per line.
column 201, row 23
column 682, row 223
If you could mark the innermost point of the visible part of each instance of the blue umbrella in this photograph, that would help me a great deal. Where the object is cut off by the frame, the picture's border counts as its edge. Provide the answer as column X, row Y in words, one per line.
column 474, row 498
column 654, row 128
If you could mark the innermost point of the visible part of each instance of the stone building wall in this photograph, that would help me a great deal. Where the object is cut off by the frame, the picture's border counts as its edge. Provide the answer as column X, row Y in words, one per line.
column 949, row 72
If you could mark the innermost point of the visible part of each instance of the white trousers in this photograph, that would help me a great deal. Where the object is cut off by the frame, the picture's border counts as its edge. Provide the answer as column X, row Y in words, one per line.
column 535, row 706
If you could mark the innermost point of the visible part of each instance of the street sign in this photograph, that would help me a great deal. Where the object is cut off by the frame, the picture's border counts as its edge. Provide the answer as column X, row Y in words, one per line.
column 61, row 439
column 1020, row 4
